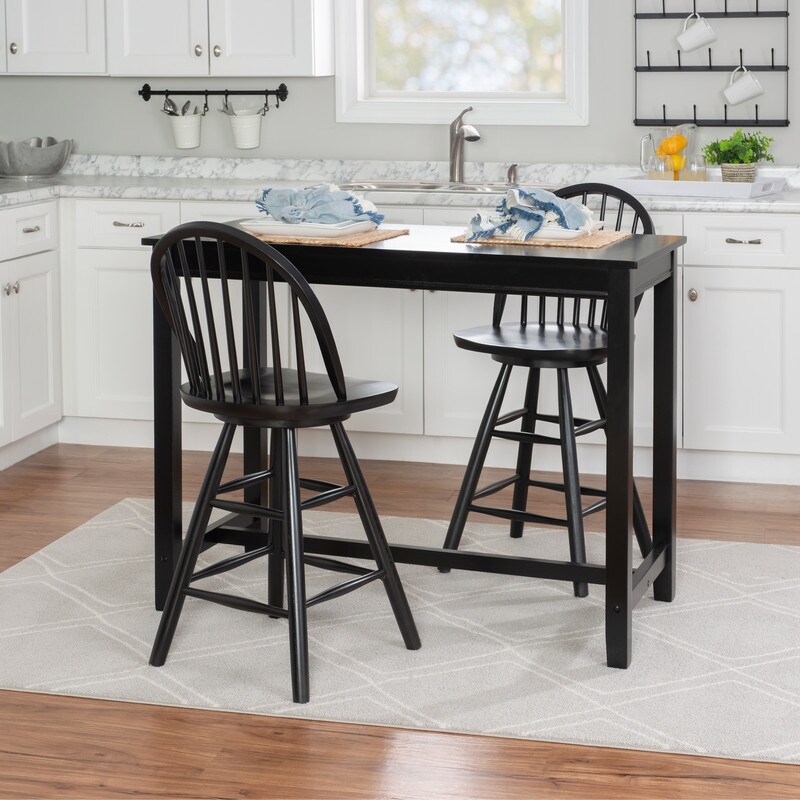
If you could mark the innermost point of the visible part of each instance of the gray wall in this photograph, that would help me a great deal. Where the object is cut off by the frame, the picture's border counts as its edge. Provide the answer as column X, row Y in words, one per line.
column 105, row 115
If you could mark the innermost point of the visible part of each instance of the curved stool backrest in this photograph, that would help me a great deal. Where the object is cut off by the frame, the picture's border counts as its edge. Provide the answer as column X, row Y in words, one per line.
column 193, row 268
column 620, row 210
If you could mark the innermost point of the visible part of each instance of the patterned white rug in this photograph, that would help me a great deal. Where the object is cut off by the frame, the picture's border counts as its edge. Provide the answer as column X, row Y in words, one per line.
column 717, row 672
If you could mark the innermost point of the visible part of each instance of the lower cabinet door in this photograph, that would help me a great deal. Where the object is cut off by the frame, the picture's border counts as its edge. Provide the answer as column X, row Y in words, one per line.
column 9, row 353
column 30, row 351
column 741, row 389
column 38, row 338
column 113, row 336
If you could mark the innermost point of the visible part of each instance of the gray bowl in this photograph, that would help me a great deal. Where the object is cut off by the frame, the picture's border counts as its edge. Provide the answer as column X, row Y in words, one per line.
column 33, row 157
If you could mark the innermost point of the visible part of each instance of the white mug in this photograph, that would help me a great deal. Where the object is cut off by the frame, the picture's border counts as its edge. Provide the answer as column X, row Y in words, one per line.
column 743, row 88
column 697, row 35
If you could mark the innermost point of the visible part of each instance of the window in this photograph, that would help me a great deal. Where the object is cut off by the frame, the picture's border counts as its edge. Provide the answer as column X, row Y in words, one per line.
column 421, row 61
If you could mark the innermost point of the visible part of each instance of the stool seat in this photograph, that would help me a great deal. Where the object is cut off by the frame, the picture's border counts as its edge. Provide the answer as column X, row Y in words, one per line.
column 537, row 344
column 321, row 406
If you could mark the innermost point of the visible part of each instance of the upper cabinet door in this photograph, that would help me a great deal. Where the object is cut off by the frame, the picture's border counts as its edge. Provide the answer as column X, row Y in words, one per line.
column 157, row 37
column 56, row 36
column 2, row 35
column 277, row 38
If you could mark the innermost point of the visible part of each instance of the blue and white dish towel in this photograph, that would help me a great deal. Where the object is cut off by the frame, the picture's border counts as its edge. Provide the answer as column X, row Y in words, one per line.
column 524, row 212
column 326, row 204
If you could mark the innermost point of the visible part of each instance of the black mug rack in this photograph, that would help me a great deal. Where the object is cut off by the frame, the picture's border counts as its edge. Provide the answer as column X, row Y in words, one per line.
column 642, row 70
column 280, row 94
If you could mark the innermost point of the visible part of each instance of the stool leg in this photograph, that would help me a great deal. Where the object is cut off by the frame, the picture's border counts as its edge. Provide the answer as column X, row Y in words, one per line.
column 572, row 488
column 191, row 548
column 525, row 451
column 640, row 526
column 295, row 574
column 275, row 560
column 475, row 464
column 377, row 538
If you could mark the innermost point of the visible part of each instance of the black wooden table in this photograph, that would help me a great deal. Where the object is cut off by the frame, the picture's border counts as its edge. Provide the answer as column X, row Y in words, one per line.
column 427, row 259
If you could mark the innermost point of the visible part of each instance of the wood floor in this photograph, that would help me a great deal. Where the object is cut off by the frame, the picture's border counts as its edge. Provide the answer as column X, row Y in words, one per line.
column 57, row 747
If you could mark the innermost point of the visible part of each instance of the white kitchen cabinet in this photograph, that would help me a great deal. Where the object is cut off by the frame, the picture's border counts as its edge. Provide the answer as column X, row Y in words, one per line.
column 280, row 38
column 30, row 322
column 741, row 328
column 741, row 384
column 31, row 348
column 55, row 36
column 157, row 37
column 108, row 300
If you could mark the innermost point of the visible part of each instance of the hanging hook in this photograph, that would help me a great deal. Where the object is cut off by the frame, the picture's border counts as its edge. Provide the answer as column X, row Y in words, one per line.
column 741, row 58
column 266, row 103
column 205, row 103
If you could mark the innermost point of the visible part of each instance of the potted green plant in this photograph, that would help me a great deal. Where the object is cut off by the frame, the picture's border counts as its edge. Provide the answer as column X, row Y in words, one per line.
column 738, row 154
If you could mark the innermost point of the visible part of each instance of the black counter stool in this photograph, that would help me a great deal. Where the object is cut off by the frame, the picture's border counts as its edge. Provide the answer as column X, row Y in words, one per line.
column 251, row 387
column 571, row 335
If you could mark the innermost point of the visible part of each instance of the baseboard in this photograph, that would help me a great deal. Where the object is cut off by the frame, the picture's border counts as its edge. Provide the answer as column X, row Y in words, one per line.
column 24, row 448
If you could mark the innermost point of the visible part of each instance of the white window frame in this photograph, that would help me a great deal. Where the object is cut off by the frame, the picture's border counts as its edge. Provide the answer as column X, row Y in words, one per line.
column 354, row 104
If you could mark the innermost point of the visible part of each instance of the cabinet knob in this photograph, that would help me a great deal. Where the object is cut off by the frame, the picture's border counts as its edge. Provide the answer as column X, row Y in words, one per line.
column 693, row 294
column 13, row 48
column 16, row 287
column 7, row 289
column 198, row 50
column 217, row 50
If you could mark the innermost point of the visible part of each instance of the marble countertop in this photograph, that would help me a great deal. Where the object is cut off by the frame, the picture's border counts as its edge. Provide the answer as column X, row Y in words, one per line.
column 155, row 178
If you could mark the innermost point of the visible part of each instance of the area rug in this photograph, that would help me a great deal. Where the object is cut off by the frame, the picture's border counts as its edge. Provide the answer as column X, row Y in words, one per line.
column 717, row 672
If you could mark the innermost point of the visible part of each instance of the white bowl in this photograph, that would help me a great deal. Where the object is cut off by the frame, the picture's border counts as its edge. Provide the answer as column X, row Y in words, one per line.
column 33, row 157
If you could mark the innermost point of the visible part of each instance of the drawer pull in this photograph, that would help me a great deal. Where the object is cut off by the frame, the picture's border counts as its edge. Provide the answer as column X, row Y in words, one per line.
column 743, row 241
column 117, row 224
column 34, row 229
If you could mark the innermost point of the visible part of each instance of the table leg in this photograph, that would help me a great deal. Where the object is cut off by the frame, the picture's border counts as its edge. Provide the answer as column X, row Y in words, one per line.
column 619, row 470
column 167, row 466
column 664, row 432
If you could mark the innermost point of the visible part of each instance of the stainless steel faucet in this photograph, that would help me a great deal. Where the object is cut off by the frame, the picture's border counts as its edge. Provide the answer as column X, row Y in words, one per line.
column 458, row 135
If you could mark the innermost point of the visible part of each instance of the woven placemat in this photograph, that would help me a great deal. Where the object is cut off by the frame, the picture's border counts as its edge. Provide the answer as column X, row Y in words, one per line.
column 351, row 240
column 596, row 240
